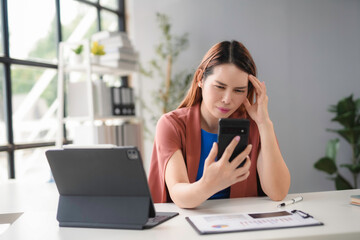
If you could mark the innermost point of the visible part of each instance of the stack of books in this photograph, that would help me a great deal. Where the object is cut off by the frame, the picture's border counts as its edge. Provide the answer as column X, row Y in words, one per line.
column 119, row 52
column 355, row 200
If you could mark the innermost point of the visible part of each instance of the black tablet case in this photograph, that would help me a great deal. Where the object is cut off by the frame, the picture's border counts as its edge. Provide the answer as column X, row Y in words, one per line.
column 105, row 188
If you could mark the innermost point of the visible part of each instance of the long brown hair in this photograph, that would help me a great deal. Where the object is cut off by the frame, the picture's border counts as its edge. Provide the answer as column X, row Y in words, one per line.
column 221, row 53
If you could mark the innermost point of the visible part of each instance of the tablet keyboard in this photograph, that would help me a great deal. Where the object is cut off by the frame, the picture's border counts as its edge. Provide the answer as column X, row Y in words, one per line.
column 159, row 218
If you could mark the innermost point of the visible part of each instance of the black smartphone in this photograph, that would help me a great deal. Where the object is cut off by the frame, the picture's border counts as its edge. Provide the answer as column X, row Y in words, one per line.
column 228, row 129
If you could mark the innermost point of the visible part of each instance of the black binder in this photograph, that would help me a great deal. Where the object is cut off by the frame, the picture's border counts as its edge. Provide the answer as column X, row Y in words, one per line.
column 122, row 101
column 103, row 188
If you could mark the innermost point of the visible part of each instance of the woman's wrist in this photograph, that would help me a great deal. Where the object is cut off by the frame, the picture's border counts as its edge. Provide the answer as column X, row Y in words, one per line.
column 265, row 124
column 206, row 188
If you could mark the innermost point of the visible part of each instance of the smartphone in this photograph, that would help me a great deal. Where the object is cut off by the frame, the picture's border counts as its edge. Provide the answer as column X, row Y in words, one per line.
column 228, row 129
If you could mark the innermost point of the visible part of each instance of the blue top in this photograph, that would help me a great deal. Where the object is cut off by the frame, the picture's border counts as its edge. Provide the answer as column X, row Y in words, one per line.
column 207, row 140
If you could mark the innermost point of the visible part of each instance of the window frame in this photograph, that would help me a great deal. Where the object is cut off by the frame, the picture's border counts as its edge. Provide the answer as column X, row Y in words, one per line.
column 7, row 61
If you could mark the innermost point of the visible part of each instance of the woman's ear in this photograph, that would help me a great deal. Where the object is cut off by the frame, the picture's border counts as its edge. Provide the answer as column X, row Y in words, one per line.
column 199, row 75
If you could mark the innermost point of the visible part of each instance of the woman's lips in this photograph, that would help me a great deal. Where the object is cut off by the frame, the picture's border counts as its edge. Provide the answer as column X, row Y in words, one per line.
column 223, row 110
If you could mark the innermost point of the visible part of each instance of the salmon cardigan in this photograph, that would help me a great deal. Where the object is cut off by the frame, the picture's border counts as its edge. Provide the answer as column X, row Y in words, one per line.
column 181, row 129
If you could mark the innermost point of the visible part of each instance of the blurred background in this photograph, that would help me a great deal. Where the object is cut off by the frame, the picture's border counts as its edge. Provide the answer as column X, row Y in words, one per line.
column 307, row 52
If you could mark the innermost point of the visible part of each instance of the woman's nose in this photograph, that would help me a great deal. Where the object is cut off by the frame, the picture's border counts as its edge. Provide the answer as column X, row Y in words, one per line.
column 226, row 99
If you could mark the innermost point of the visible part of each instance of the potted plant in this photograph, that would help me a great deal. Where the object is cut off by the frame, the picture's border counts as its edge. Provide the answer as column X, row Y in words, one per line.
column 347, row 113
column 97, row 50
column 173, row 85
column 77, row 57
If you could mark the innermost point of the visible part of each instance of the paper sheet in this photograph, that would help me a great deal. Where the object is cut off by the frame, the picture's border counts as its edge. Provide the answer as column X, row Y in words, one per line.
column 245, row 222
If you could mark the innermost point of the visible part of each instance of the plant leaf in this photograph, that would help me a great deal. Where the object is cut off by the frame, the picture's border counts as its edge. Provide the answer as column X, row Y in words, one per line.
column 354, row 168
column 341, row 183
column 331, row 148
column 347, row 134
column 346, row 119
column 357, row 150
column 357, row 104
column 78, row 50
column 326, row 164
column 346, row 105
column 357, row 134
column 345, row 111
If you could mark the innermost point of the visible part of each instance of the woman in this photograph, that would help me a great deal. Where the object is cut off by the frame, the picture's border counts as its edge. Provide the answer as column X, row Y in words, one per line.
column 183, row 167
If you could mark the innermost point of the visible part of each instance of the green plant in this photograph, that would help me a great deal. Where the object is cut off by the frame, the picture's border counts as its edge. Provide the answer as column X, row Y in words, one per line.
column 78, row 50
column 347, row 113
column 97, row 49
column 173, row 86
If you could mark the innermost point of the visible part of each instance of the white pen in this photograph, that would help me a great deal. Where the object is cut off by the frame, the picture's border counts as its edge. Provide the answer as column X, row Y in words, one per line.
column 292, row 201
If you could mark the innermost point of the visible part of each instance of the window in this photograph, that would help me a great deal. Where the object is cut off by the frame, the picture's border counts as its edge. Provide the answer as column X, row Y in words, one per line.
column 30, row 34
column 2, row 118
column 1, row 36
column 112, row 4
column 109, row 21
column 3, row 167
column 34, row 104
column 79, row 21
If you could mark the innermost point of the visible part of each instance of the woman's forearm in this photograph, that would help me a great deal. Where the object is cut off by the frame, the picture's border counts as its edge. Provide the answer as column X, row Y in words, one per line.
column 190, row 195
column 273, row 172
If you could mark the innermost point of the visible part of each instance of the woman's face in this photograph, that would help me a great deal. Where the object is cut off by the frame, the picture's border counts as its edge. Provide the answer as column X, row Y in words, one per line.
column 224, row 91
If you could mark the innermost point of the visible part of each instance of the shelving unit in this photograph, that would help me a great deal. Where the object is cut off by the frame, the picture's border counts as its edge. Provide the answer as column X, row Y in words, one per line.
column 88, row 67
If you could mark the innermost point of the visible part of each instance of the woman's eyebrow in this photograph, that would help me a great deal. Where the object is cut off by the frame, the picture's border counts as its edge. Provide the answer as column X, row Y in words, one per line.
column 223, row 84
column 241, row 87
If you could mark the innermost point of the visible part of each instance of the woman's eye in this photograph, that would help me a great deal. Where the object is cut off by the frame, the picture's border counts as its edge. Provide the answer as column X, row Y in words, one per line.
column 239, row 91
column 220, row 87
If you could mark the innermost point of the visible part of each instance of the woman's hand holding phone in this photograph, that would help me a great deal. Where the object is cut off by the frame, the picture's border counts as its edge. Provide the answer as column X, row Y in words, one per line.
column 230, row 128
column 221, row 174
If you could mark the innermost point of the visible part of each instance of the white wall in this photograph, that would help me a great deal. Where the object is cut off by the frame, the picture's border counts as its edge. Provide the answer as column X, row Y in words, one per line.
column 307, row 52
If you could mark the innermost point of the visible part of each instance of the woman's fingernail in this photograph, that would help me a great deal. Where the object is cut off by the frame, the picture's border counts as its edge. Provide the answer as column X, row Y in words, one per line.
column 237, row 138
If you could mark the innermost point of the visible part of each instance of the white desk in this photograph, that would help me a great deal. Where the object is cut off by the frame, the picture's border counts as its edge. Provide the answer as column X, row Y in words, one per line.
column 39, row 204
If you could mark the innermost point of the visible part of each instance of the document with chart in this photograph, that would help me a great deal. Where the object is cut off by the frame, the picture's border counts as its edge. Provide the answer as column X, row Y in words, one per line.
column 207, row 224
